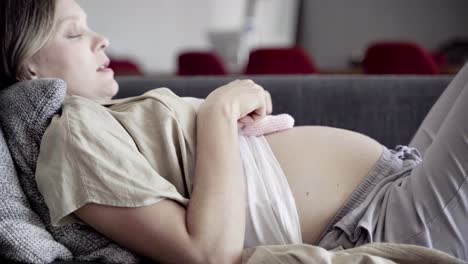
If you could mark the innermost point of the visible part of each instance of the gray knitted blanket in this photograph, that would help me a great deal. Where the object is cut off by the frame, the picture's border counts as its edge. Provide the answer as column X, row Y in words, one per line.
column 26, row 110
column 23, row 236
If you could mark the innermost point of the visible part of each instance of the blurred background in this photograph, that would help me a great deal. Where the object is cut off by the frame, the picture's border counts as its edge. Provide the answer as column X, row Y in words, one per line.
column 221, row 37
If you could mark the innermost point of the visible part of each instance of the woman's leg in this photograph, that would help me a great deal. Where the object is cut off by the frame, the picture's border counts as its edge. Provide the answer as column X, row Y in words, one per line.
column 413, row 201
column 422, row 203
column 430, row 206
column 428, row 129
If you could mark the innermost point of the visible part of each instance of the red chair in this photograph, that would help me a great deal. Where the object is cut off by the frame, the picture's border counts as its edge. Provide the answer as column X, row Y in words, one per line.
column 124, row 67
column 280, row 61
column 200, row 63
column 398, row 58
column 440, row 59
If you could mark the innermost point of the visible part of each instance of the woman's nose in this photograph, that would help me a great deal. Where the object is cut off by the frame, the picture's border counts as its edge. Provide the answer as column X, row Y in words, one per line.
column 105, row 42
column 102, row 42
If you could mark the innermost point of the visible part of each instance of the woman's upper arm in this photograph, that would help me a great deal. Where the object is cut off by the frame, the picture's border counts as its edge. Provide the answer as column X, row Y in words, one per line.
column 156, row 231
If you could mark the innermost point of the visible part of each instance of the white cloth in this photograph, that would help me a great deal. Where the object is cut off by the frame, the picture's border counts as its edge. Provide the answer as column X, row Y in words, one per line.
column 271, row 216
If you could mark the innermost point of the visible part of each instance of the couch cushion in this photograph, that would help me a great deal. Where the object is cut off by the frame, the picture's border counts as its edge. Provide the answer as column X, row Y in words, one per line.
column 26, row 109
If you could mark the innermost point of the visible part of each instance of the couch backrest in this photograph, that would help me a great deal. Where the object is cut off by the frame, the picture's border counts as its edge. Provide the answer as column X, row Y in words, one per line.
column 386, row 108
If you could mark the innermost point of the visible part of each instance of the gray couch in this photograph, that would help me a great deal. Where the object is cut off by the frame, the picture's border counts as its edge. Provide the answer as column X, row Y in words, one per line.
column 388, row 109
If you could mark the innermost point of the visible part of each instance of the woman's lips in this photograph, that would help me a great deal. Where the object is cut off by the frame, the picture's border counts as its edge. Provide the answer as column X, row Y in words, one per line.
column 106, row 69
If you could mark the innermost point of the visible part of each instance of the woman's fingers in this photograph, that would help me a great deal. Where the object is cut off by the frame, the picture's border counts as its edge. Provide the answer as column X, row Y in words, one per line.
column 247, row 99
column 246, row 120
column 264, row 105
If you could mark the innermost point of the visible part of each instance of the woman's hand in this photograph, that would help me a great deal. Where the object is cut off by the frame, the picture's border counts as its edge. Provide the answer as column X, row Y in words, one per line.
column 242, row 100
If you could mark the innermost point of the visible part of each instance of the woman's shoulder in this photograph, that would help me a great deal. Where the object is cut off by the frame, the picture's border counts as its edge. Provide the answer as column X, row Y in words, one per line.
column 78, row 109
column 80, row 116
column 161, row 102
column 160, row 96
column 76, row 105
column 83, row 116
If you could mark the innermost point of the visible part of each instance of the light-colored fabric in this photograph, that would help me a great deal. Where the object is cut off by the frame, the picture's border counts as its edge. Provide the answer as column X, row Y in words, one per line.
column 271, row 215
column 132, row 153
column 269, row 124
column 374, row 253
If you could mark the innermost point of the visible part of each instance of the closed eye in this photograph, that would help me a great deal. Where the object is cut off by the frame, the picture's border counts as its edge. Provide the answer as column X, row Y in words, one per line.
column 75, row 36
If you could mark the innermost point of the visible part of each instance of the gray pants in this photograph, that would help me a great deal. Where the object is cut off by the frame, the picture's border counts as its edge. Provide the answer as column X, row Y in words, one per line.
column 406, row 199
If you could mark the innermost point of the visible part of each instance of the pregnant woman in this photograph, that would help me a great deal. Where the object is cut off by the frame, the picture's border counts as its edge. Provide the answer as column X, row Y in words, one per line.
column 160, row 171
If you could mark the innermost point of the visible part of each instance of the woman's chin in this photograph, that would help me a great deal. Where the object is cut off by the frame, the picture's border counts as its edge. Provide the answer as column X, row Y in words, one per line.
column 112, row 88
column 116, row 88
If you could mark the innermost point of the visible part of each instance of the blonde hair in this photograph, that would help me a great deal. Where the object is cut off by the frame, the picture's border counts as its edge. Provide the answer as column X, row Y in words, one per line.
column 25, row 27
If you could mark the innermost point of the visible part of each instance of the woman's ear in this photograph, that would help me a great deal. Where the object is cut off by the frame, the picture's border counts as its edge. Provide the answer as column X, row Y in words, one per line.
column 33, row 74
column 30, row 71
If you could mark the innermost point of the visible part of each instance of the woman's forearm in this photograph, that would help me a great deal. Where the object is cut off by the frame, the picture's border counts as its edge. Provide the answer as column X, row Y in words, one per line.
column 216, row 212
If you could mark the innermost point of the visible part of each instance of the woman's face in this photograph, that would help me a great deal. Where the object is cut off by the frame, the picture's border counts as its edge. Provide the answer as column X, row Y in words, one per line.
column 75, row 54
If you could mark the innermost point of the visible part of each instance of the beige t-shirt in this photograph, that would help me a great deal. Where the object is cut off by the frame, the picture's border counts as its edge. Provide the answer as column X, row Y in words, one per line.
column 130, row 152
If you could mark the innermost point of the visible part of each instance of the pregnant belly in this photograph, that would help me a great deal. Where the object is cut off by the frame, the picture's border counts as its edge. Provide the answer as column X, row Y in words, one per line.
column 323, row 165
